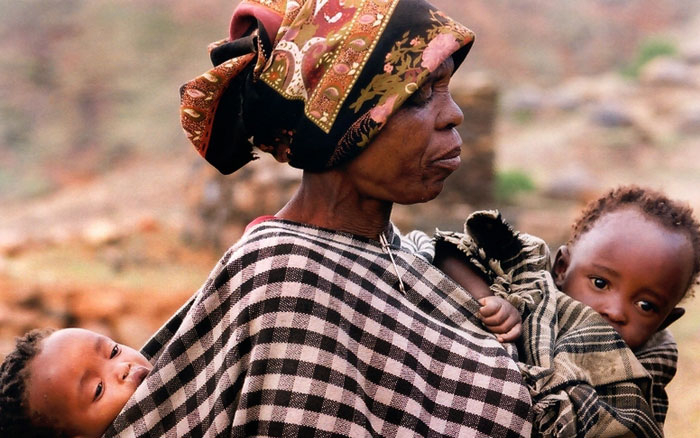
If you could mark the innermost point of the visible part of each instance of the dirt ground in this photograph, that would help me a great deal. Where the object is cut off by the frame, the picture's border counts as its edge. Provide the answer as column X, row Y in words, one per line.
column 108, row 253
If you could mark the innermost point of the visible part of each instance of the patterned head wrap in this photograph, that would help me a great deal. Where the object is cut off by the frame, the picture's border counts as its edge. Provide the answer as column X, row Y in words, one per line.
column 312, row 81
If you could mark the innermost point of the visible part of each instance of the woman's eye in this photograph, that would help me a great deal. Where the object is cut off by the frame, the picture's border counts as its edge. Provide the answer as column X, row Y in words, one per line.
column 599, row 283
column 98, row 391
column 114, row 352
column 421, row 96
column 646, row 306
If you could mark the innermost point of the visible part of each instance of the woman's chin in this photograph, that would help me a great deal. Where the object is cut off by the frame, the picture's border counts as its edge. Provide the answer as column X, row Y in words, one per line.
column 428, row 194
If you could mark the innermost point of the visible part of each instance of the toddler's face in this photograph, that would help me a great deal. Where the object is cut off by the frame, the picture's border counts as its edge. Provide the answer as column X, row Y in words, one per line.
column 81, row 380
column 630, row 269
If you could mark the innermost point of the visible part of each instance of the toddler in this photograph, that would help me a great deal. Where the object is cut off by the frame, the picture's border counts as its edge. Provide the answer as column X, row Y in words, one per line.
column 66, row 383
column 633, row 256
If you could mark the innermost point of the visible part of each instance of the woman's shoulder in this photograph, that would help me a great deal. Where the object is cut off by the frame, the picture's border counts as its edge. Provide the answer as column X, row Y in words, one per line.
column 284, row 237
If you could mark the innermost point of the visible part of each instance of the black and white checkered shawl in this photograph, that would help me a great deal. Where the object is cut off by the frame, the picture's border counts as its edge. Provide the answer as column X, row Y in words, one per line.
column 583, row 379
column 301, row 331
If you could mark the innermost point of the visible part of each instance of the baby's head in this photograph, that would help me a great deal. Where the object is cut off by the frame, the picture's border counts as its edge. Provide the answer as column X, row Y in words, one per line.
column 66, row 383
column 633, row 255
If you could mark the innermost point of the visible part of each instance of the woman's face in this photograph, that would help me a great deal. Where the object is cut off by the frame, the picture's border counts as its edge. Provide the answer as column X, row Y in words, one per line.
column 410, row 158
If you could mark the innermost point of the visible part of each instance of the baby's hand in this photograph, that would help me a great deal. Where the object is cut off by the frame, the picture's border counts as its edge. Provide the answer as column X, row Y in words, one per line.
column 501, row 318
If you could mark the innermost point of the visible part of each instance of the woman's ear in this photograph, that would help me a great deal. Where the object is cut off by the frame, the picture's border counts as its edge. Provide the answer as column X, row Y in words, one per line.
column 672, row 317
column 561, row 264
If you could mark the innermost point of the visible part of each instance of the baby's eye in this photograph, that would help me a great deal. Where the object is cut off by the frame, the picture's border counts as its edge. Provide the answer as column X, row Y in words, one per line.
column 599, row 283
column 98, row 391
column 114, row 352
column 646, row 306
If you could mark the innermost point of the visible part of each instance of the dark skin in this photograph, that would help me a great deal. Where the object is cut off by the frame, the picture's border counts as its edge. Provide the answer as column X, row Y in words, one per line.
column 407, row 162
column 628, row 268
column 497, row 314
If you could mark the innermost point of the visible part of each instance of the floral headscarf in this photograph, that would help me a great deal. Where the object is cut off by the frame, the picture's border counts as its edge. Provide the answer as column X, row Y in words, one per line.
column 312, row 81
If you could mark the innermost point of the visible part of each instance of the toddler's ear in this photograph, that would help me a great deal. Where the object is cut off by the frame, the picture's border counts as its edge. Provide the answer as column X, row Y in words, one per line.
column 561, row 264
column 672, row 317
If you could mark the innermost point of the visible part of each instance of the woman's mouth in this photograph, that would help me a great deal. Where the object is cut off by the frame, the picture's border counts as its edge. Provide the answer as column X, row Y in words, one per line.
column 451, row 160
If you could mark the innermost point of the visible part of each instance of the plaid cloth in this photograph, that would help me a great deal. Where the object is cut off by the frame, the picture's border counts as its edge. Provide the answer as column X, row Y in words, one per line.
column 301, row 331
column 583, row 379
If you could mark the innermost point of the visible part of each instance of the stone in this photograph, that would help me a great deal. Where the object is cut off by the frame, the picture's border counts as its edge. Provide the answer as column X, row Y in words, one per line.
column 574, row 183
column 101, row 232
column 689, row 121
column 611, row 115
column 665, row 71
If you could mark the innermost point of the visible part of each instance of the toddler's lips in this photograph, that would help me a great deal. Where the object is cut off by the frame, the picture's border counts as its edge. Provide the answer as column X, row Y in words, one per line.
column 138, row 373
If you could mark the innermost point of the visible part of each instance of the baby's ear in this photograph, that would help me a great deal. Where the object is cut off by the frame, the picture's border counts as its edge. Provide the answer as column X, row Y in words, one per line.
column 561, row 264
column 672, row 317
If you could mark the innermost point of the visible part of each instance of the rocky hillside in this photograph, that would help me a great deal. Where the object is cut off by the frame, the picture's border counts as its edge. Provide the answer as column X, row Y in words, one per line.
column 110, row 221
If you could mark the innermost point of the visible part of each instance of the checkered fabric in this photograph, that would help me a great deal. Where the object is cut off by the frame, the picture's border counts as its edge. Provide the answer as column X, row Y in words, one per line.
column 583, row 379
column 303, row 332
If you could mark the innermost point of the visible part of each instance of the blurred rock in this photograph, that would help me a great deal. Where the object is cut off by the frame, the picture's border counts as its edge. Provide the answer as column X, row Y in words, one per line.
column 575, row 184
column 133, row 329
column 147, row 224
column 472, row 182
column 611, row 115
column 566, row 99
column 11, row 243
column 98, row 305
column 100, row 232
column 689, row 121
column 664, row 71
column 97, row 326
column 691, row 54
column 592, row 89
column 216, row 202
column 523, row 100
column 551, row 224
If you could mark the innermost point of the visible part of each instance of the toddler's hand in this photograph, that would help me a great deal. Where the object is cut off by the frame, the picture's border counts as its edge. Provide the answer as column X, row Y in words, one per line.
column 501, row 318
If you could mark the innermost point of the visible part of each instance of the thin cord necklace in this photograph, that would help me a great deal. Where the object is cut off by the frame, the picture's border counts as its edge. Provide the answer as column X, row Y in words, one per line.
column 387, row 248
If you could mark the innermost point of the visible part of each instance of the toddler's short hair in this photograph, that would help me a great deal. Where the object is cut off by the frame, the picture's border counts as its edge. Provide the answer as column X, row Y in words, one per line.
column 15, row 418
column 673, row 215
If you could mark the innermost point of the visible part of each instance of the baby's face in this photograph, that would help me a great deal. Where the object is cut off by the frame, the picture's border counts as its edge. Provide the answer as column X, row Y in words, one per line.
column 81, row 380
column 630, row 269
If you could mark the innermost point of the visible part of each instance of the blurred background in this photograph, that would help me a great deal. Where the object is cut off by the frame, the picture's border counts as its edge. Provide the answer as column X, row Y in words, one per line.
column 110, row 221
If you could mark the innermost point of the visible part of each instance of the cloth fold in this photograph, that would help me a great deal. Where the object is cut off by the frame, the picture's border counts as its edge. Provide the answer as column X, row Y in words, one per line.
column 583, row 379
column 302, row 331
column 324, row 78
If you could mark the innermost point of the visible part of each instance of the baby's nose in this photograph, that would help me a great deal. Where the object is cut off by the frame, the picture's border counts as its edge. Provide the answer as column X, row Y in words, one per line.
column 614, row 312
column 121, row 371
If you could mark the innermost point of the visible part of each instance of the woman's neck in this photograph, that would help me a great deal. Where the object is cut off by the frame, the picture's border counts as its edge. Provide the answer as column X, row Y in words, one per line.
column 326, row 200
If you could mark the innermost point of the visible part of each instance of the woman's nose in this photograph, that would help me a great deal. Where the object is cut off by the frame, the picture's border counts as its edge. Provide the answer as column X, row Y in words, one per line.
column 451, row 114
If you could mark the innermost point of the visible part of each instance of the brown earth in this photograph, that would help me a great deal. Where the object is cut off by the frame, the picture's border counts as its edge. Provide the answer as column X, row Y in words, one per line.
column 117, row 252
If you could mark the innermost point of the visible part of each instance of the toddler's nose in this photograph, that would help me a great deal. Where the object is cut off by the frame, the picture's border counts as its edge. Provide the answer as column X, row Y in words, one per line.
column 614, row 312
column 121, row 371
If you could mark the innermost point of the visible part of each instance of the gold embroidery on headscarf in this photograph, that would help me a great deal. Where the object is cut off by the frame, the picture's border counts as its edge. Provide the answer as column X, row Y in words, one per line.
column 342, row 54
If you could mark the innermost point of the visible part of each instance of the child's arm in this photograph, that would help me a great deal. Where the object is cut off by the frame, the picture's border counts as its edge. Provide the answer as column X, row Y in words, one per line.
column 497, row 314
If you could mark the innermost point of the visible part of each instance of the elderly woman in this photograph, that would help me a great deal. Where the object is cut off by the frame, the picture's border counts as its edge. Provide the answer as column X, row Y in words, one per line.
column 322, row 320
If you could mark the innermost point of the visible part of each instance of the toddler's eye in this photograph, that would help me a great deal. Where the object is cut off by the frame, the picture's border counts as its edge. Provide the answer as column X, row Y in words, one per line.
column 114, row 352
column 599, row 283
column 98, row 391
column 646, row 306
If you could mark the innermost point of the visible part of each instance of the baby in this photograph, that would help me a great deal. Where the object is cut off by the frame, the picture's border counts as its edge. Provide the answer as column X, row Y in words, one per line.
column 633, row 256
column 66, row 383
